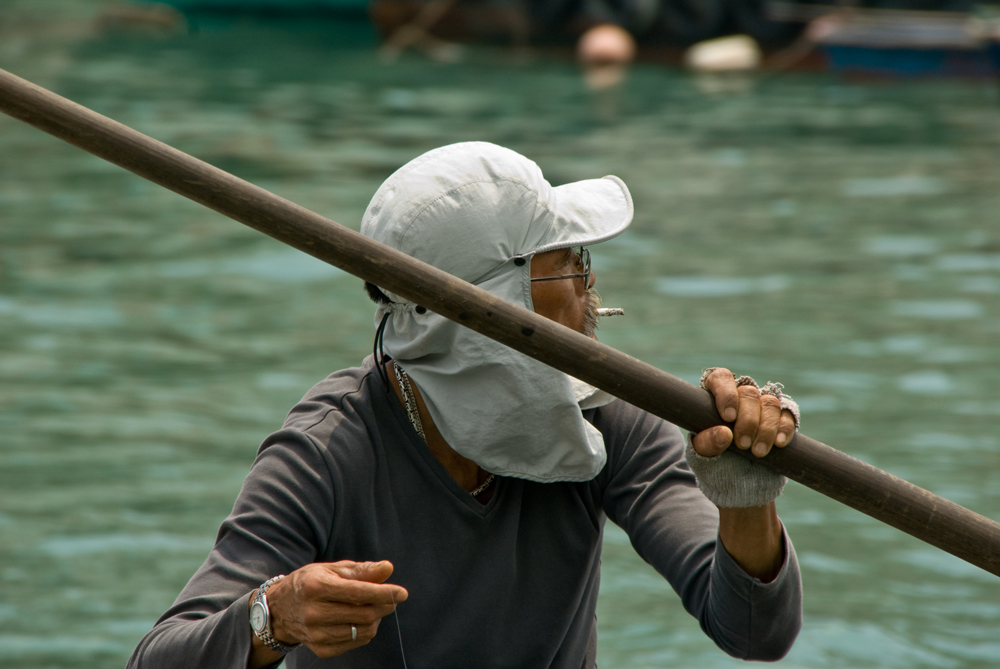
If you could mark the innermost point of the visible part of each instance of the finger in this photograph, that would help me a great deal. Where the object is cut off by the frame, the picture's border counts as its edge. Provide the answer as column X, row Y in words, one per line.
column 767, row 429
column 330, row 649
column 338, row 639
column 371, row 572
column 712, row 441
column 722, row 385
column 341, row 633
column 748, row 417
column 786, row 429
column 332, row 588
column 357, row 583
column 338, row 613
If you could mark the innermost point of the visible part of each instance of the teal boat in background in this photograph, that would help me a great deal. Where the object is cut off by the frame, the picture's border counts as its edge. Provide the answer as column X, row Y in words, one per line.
column 344, row 22
column 269, row 6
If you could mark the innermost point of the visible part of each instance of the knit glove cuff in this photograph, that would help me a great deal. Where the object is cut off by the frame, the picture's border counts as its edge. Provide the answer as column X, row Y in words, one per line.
column 732, row 481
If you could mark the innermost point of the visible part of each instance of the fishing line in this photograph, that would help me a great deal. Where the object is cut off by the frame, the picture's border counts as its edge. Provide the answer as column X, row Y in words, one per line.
column 399, row 630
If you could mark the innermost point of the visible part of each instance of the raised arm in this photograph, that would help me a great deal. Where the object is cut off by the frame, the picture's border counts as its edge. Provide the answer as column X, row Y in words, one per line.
column 750, row 532
column 650, row 491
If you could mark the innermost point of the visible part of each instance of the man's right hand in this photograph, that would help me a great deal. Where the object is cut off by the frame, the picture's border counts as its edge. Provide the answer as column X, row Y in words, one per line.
column 318, row 604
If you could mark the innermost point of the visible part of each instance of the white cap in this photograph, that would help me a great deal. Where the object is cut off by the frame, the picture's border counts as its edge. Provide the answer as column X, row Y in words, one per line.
column 468, row 208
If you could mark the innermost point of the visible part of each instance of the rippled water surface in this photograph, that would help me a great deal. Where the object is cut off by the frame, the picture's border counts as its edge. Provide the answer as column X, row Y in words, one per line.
column 841, row 237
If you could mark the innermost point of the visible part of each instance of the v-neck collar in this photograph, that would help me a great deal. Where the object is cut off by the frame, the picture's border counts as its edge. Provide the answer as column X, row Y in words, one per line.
column 409, row 438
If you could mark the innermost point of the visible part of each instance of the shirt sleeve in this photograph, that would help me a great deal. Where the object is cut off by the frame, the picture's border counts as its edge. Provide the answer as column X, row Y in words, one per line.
column 650, row 492
column 280, row 522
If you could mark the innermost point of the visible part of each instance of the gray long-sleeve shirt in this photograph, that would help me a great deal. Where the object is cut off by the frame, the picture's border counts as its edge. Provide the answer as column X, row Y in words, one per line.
column 510, row 583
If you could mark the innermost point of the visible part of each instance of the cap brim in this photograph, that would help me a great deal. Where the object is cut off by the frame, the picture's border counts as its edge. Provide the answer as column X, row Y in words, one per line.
column 588, row 212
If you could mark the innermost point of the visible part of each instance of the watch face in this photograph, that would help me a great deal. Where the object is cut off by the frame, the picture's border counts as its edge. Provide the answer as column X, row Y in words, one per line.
column 258, row 617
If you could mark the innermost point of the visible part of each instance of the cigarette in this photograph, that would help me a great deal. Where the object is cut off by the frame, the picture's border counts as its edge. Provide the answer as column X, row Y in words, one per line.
column 613, row 311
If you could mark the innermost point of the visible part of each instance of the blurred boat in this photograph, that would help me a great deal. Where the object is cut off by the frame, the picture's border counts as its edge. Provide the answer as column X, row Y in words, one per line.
column 891, row 42
column 848, row 39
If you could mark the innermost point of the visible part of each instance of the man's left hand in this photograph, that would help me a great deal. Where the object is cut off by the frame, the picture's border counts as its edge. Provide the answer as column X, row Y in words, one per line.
column 759, row 421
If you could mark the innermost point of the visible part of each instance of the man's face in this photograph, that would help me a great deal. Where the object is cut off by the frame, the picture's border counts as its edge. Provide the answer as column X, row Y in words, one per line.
column 565, row 301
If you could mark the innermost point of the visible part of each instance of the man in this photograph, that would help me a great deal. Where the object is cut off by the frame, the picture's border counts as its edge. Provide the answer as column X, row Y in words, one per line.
column 478, row 480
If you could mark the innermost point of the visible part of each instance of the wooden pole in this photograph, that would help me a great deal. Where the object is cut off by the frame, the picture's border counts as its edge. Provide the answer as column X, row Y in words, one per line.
column 894, row 501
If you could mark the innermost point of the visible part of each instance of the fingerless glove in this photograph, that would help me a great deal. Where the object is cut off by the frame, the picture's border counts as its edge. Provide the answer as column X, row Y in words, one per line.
column 732, row 481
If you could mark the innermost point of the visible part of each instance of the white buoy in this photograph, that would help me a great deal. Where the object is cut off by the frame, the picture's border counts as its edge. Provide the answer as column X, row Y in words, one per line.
column 724, row 54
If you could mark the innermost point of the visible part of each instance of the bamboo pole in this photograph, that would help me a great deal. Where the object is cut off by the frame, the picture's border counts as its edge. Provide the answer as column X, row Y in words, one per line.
column 918, row 512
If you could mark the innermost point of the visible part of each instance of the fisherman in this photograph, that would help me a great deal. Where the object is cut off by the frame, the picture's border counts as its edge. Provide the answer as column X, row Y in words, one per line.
column 464, row 487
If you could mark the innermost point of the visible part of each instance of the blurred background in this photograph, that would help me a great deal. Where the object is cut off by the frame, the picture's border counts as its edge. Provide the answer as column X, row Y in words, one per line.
column 816, row 195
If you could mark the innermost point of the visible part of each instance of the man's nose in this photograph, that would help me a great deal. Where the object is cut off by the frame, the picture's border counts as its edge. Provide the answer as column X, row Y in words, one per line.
column 591, row 280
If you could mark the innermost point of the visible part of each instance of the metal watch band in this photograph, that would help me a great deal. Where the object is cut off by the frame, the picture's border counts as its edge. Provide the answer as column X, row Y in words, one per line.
column 265, row 634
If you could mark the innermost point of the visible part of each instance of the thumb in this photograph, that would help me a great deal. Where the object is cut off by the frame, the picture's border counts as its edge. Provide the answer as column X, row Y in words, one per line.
column 713, row 441
column 370, row 572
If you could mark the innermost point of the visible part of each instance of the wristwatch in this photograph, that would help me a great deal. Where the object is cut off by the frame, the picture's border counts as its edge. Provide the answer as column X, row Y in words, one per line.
column 260, row 618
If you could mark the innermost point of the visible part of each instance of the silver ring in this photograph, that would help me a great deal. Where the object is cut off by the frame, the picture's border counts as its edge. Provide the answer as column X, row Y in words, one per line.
column 354, row 633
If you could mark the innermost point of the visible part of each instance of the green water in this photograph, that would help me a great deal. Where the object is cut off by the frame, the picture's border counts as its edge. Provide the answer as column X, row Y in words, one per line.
column 839, row 237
